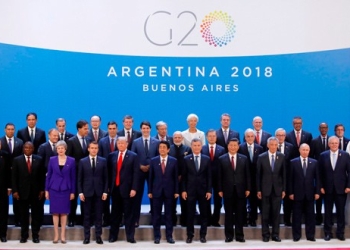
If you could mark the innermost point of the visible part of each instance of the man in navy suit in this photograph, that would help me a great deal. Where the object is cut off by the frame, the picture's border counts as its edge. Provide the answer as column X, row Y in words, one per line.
column 128, row 131
column 304, row 188
column 28, row 186
column 163, row 188
column 64, row 135
column 196, row 186
column 162, row 133
column 339, row 131
column 252, row 151
column 319, row 145
column 146, row 148
column 77, row 148
column 48, row 149
column 124, row 169
column 298, row 136
column 225, row 134
column 11, row 147
column 335, row 176
column 234, row 187
column 92, row 189
column 214, row 151
column 271, row 185
column 261, row 136
column 95, row 133
column 32, row 133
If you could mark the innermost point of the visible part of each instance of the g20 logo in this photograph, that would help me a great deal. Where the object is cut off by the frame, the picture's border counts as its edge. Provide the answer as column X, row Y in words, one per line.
column 217, row 28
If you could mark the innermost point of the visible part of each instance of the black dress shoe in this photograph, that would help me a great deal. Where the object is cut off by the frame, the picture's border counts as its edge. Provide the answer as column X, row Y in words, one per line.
column 171, row 240
column 17, row 224
column 111, row 240
column 228, row 240
column 215, row 224
column 341, row 237
column 189, row 239
column 136, row 225
column 240, row 239
column 99, row 240
column 253, row 224
column 276, row 238
column 3, row 239
column 36, row 240
column 105, row 224
column 156, row 241
column 202, row 240
column 288, row 224
column 296, row 239
column 327, row 237
column 71, row 224
column 86, row 241
column 133, row 241
column 311, row 239
column 23, row 240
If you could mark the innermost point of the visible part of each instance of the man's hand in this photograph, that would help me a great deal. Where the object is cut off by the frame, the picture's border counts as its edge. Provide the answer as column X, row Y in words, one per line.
column 208, row 196
column 176, row 195
column 322, row 191
column 150, row 196
column 184, row 195
column 283, row 194
column 259, row 195
column 247, row 193
column 291, row 196
column 144, row 168
column 15, row 196
column 104, row 197
column 221, row 194
column 82, row 197
column 132, row 193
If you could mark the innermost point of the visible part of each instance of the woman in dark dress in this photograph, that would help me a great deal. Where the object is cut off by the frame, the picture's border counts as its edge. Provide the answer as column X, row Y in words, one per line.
column 60, row 188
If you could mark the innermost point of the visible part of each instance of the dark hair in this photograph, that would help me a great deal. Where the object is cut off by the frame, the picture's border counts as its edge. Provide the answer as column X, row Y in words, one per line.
column 9, row 124
column 112, row 123
column 60, row 120
column 339, row 125
column 147, row 123
column 81, row 123
column 233, row 140
column 128, row 117
column 166, row 143
column 93, row 142
column 32, row 113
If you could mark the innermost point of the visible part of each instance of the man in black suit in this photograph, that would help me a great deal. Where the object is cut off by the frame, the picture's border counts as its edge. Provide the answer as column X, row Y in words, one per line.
column 128, row 131
column 162, row 133
column 234, row 187
column 95, row 133
column 298, row 136
column 271, row 185
column 48, row 149
column 92, row 189
column 339, row 131
column 28, row 185
column 319, row 145
column 64, row 135
column 11, row 147
column 214, row 151
column 32, row 133
column 179, row 151
column 124, row 169
column 252, row 151
column 196, row 186
column 225, row 134
column 77, row 148
column 261, row 136
column 304, row 188
column 335, row 176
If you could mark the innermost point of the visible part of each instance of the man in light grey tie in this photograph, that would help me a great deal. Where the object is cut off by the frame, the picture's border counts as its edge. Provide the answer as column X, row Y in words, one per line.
column 224, row 134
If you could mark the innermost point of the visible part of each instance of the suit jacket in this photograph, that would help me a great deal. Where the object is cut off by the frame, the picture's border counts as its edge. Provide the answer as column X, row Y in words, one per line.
column 316, row 147
column 288, row 152
column 345, row 143
column 263, row 141
column 46, row 152
column 75, row 150
column 220, row 138
column 91, row 182
column 194, row 182
column 304, row 187
column 166, row 183
column 187, row 137
column 134, row 135
column 104, row 147
column 67, row 136
column 101, row 134
column 168, row 139
column 240, row 177
column 266, row 179
column 39, row 138
column 58, row 180
column 26, row 183
column 139, row 148
column 305, row 137
column 179, row 152
column 339, row 178
column 5, row 176
column 214, row 164
column 129, row 172
column 17, row 150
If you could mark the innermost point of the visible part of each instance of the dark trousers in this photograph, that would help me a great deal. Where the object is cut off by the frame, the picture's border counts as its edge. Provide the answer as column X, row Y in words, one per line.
column 234, row 211
column 16, row 210
column 217, row 201
column 139, row 194
column 271, row 207
column 157, row 215
column 122, row 205
column 4, row 212
column 339, row 200
column 319, row 203
column 92, row 207
column 107, row 211
column 254, row 203
column 72, row 217
column 191, row 211
column 287, row 208
column 35, row 206
column 306, row 206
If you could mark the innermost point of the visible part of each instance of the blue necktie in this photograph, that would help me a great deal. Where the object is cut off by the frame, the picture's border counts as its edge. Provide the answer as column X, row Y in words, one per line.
column 272, row 162
column 32, row 135
column 146, row 146
column 196, row 163
column 10, row 145
column 84, row 143
column 250, row 153
column 304, row 167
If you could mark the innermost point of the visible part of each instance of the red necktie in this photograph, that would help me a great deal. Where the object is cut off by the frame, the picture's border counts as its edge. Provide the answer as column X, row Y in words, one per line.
column 111, row 146
column 119, row 166
column 95, row 135
column 128, row 137
column 298, row 138
column 163, row 166
column 29, row 165
column 233, row 162
column 258, row 137
column 211, row 153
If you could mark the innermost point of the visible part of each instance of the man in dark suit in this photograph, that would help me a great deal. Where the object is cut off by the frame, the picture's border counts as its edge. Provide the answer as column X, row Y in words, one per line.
column 146, row 148
column 179, row 151
column 128, row 131
column 271, row 185
column 95, row 133
column 319, row 145
column 339, row 131
column 124, row 169
column 11, row 147
column 261, row 136
column 32, row 133
column 107, row 145
column 163, row 188
column 196, row 186
column 234, row 187
column 214, row 151
column 77, row 148
column 335, row 176
column 298, row 136
column 28, row 186
column 64, row 135
column 162, row 133
column 225, row 134
column 48, row 149
column 287, row 149
column 304, row 188
column 252, row 151
column 92, row 189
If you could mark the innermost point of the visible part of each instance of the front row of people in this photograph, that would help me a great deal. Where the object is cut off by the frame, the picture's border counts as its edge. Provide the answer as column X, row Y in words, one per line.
column 307, row 179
